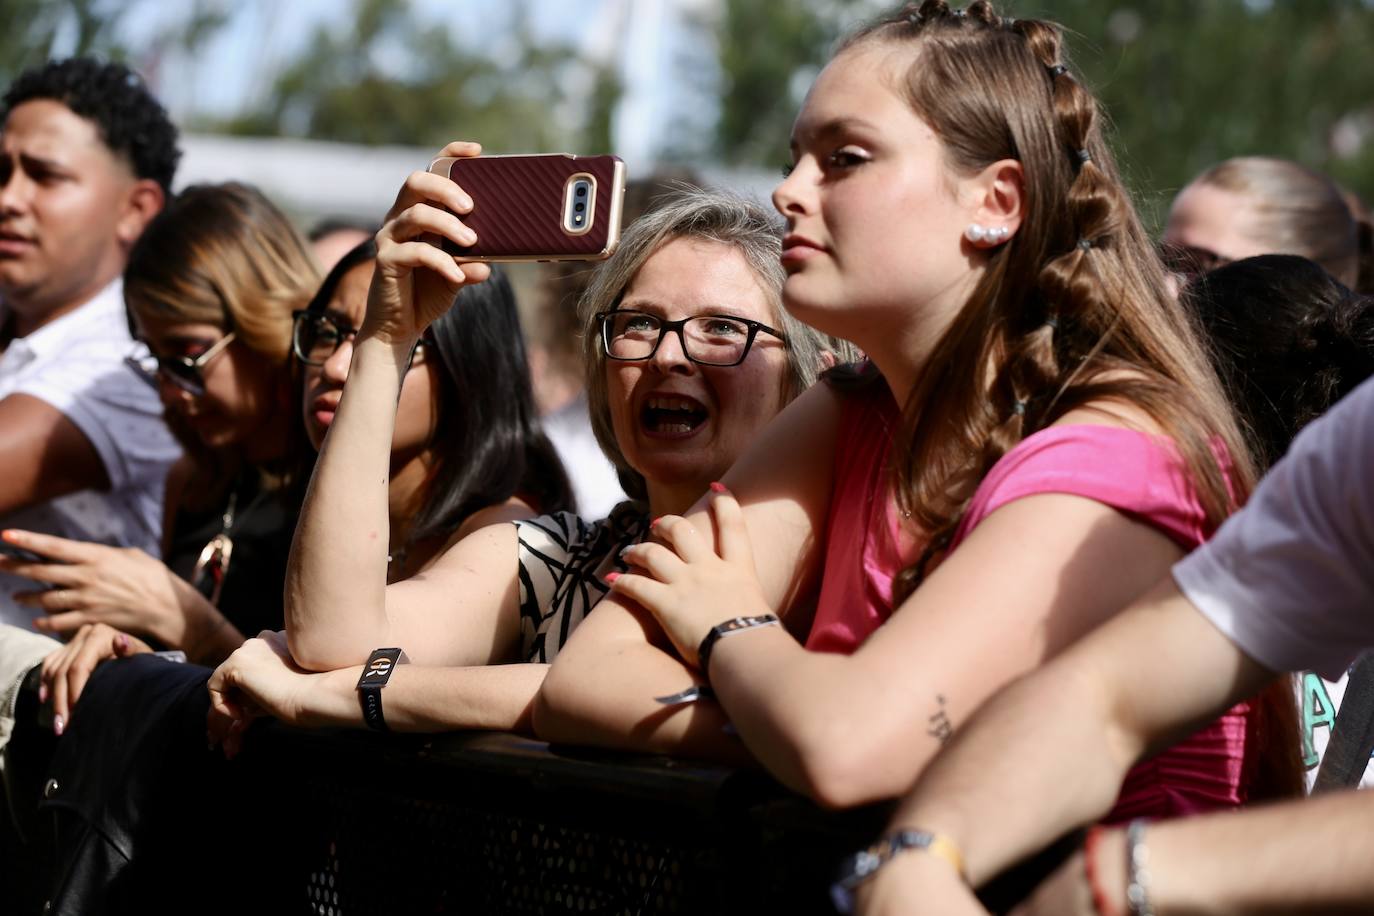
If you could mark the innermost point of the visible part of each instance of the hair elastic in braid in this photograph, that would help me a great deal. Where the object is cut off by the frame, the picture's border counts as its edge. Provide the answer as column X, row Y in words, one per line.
column 1052, row 322
column 1083, row 156
column 1085, row 244
column 1019, row 408
column 1057, row 71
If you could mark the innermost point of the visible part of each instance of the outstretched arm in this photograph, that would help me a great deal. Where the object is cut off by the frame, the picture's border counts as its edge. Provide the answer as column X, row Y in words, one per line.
column 1307, row 856
column 1050, row 752
column 848, row 729
column 261, row 679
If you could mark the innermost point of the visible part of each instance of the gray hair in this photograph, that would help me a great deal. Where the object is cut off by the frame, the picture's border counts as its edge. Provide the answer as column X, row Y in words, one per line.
column 713, row 216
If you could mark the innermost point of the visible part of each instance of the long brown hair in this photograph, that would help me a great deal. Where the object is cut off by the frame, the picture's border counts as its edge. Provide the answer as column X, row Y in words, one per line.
column 1072, row 310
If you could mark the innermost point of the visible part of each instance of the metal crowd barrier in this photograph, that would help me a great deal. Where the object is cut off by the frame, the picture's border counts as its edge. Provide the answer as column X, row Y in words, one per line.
column 493, row 823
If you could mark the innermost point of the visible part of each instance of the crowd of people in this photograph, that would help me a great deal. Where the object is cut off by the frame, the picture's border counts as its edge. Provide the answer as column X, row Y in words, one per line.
column 946, row 483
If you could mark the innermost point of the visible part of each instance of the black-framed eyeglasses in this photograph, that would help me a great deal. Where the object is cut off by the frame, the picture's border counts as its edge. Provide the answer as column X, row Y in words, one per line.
column 316, row 336
column 185, row 372
column 709, row 340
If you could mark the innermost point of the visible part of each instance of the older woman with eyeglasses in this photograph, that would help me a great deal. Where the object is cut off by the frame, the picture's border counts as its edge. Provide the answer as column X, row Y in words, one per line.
column 691, row 353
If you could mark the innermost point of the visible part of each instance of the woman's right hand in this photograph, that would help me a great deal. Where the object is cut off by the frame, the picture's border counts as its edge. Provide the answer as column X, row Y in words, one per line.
column 416, row 281
column 66, row 671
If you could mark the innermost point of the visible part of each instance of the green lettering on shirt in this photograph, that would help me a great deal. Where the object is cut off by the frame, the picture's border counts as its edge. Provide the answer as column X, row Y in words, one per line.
column 1317, row 710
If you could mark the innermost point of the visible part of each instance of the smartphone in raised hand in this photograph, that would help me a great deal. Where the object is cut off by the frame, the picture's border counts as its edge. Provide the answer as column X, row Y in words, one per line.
column 543, row 207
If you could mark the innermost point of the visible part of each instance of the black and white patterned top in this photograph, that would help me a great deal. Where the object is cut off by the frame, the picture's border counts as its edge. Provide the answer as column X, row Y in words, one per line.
column 563, row 563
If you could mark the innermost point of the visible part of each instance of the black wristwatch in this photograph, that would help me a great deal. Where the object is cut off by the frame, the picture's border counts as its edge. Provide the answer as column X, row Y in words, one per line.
column 375, row 674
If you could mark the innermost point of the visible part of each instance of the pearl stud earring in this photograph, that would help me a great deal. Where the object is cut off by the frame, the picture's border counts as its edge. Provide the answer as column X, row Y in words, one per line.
column 986, row 235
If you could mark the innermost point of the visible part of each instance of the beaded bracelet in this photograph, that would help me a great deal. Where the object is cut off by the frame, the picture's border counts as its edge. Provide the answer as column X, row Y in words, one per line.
column 1138, row 870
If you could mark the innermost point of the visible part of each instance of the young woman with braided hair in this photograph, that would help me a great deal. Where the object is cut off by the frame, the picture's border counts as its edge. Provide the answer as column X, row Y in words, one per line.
column 1036, row 438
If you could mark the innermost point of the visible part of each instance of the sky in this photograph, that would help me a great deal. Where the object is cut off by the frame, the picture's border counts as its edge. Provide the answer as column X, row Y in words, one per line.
column 646, row 36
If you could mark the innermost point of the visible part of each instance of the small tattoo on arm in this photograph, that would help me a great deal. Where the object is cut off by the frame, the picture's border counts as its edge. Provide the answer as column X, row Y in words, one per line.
column 940, row 727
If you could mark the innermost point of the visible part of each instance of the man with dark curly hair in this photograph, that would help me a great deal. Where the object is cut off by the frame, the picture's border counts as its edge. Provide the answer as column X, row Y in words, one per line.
column 87, row 157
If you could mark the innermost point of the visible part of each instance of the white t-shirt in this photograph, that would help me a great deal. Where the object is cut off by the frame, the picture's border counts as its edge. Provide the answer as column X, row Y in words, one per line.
column 76, row 364
column 593, row 477
column 1290, row 578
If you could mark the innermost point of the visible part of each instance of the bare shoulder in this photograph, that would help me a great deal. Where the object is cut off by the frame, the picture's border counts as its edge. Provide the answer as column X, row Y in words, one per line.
column 514, row 509
column 1114, row 412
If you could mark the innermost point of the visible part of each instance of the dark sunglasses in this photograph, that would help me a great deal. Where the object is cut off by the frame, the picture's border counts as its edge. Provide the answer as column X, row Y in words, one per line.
column 185, row 372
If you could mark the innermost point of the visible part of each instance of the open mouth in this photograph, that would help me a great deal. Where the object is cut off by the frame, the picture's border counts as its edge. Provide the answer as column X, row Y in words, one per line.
column 672, row 415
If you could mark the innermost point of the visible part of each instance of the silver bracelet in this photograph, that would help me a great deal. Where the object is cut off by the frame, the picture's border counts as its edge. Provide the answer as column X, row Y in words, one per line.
column 1138, row 870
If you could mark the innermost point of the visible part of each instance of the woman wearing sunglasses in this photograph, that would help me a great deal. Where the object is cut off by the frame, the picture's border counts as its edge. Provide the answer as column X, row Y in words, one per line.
column 210, row 287
column 690, row 354
column 465, row 439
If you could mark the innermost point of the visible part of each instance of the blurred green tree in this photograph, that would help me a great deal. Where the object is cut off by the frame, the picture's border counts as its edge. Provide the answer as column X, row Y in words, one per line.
column 1185, row 83
column 30, row 31
column 395, row 78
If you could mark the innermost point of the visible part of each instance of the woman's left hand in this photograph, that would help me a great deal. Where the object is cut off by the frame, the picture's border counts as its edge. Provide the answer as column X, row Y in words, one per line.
column 94, row 583
column 66, row 670
column 259, row 679
column 687, row 586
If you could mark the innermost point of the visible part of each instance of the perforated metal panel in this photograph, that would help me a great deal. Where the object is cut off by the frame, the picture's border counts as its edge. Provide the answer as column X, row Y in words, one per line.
column 390, row 828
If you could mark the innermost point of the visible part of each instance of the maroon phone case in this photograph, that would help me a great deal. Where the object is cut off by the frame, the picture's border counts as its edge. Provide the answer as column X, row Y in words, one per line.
column 518, row 205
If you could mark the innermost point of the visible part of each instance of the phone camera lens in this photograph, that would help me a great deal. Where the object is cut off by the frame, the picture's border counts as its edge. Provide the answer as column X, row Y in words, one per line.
column 580, row 207
column 582, row 190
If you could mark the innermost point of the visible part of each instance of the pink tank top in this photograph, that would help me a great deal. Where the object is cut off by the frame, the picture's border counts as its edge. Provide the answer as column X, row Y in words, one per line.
column 1132, row 472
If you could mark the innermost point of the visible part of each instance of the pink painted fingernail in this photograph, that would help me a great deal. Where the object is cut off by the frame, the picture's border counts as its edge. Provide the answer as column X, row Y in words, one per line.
column 718, row 487
column 611, row 577
column 121, row 642
column 42, row 693
column 58, row 725
column 655, row 521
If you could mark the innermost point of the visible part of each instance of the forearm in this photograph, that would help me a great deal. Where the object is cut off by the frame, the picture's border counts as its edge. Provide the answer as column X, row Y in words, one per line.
column 1309, row 856
column 606, row 698
column 818, row 724
column 432, row 699
column 1038, row 760
column 206, row 635
column 335, row 601
column 1050, row 752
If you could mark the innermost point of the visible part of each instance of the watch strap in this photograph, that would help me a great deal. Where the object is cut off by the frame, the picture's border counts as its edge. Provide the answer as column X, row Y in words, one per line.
column 376, row 673
column 725, row 628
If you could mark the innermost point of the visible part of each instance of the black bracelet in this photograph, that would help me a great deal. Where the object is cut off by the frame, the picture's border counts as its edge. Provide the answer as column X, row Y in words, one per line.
column 380, row 664
column 733, row 625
